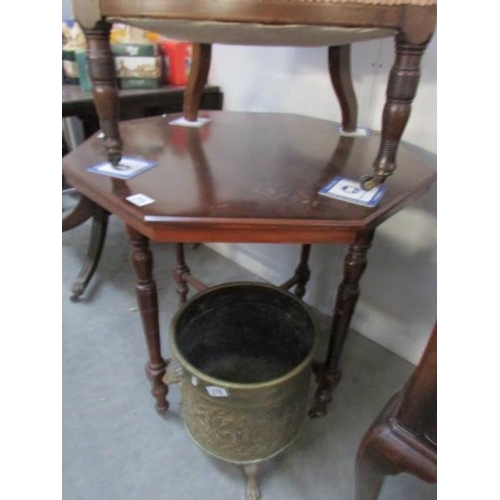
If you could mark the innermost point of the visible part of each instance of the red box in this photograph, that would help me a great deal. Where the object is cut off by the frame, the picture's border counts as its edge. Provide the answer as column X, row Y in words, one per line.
column 177, row 57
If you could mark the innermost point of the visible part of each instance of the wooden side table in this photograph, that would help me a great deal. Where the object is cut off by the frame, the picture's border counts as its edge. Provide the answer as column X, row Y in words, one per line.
column 255, row 177
column 244, row 177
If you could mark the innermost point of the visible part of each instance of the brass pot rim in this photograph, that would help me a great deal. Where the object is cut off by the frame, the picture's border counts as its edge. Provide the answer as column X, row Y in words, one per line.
column 234, row 385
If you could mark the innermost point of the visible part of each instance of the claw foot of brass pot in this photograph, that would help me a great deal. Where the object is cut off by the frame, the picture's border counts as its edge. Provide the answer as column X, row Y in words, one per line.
column 252, row 490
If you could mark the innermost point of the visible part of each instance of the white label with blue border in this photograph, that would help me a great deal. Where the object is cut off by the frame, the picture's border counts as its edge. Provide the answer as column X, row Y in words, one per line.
column 127, row 168
column 350, row 191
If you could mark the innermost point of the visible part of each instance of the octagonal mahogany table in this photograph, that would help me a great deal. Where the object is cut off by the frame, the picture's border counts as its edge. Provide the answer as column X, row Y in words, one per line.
column 247, row 178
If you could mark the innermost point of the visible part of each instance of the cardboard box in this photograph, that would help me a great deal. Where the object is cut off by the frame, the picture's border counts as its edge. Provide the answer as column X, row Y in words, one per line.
column 138, row 67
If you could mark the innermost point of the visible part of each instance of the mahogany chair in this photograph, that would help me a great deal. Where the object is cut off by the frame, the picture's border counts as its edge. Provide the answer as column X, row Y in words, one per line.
column 331, row 23
column 404, row 436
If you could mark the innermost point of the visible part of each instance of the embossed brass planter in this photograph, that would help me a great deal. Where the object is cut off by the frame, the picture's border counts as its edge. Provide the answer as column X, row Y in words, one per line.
column 245, row 352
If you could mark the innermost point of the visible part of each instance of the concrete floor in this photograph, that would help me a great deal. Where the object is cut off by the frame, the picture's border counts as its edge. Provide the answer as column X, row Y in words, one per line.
column 115, row 446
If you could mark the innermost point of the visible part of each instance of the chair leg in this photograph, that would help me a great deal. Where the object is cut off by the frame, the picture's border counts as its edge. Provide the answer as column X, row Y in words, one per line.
column 94, row 251
column 339, row 65
column 198, row 76
column 388, row 448
column 369, row 475
column 180, row 271
column 369, row 481
column 373, row 459
column 328, row 375
column 401, row 90
column 103, row 75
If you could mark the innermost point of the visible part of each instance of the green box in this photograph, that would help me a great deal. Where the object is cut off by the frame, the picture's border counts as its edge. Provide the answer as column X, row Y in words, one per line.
column 140, row 83
column 135, row 49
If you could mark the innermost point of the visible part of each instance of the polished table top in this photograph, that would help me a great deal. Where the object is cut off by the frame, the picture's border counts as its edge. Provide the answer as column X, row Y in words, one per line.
column 246, row 177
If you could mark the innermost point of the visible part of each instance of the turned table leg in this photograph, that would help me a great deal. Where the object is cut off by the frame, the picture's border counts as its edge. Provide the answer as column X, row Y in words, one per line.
column 142, row 262
column 180, row 271
column 301, row 276
column 328, row 375
column 303, row 273
column 401, row 90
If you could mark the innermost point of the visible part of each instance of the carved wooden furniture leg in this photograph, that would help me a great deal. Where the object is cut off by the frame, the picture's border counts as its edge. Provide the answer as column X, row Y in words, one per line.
column 403, row 437
column 103, row 75
column 83, row 211
column 182, row 275
column 202, row 53
column 252, row 490
column 328, row 375
column 339, row 64
column 179, row 272
column 302, row 274
column 142, row 262
column 94, row 251
column 370, row 473
column 388, row 449
column 198, row 76
column 401, row 89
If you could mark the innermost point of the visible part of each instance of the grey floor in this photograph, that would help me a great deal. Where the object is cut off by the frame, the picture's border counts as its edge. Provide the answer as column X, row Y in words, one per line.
column 115, row 446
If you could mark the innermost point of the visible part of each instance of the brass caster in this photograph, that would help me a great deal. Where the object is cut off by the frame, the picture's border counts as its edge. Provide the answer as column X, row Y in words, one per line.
column 369, row 182
column 114, row 150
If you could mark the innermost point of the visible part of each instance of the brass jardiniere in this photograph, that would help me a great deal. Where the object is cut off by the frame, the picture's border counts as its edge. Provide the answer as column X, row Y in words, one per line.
column 244, row 352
